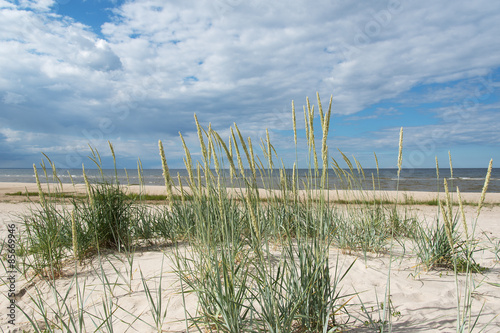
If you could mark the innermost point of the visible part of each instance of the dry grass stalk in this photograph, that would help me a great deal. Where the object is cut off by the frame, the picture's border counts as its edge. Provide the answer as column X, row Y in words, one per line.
column 253, row 218
column 209, row 147
column 325, row 124
column 308, row 106
column 139, row 174
column 208, row 160
column 378, row 170
column 181, row 188
column 294, row 183
column 346, row 159
column 126, row 175
column 229, row 153
column 269, row 151
column 252, row 159
column 437, row 168
column 40, row 191
column 238, row 155
column 200, row 138
column 198, row 176
column 329, row 113
column 74, row 235
column 451, row 165
column 249, row 156
column 338, row 170
column 400, row 155
column 306, row 119
column 219, row 201
column 283, row 179
column 320, row 109
column 54, row 171
column 166, row 173
column 187, row 160
column 324, row 176
column 448, row 200
column 358, row 167
column 114, row 159
column 232, row 171
column 447, row 226
column 485, row 188
column 71, row 178
column 312, row 141
column 112, row 149
column 87, row 184
column 464, row 221
column 214, row 153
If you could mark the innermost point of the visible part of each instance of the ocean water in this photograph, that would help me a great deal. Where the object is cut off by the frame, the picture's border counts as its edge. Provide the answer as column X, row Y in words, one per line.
column 467, row 179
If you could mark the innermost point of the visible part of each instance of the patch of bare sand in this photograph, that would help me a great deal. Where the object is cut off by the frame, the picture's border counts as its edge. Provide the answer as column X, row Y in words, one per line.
column 423, row 301
column 401, row 197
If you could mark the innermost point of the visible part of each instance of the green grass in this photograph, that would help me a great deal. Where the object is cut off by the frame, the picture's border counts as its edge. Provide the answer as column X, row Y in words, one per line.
column 255, row 264
column 59, row 195
column 160, row 199
column 70, row 195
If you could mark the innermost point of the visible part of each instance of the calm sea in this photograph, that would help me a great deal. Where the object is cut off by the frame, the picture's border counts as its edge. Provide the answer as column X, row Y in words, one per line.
column 467, row 179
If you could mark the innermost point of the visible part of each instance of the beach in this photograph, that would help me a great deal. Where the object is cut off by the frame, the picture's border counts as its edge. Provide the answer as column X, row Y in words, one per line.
column 422, row 300
column 401, row 196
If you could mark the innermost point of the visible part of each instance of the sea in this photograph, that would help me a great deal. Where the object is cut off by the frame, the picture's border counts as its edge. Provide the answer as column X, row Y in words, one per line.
column 467, row 179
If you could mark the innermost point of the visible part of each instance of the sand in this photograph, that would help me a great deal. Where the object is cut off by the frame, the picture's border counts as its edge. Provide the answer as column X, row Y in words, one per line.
column 403, row 196
column 423, row 301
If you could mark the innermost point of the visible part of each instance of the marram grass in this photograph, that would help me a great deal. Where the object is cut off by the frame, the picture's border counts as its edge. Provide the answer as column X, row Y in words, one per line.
column 223, row 245
column 166, row 172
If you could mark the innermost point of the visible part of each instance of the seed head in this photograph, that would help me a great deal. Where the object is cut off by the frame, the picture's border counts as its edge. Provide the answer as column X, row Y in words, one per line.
column 400, row 155
column 166, row 173
column 40, row 192
column 485, row 187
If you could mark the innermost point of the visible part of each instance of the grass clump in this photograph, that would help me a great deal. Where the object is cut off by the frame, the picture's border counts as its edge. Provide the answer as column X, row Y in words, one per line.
column 104, row 222
column 441, row 245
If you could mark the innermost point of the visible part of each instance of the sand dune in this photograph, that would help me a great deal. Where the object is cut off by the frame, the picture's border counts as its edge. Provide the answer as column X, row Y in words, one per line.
column 423, row 301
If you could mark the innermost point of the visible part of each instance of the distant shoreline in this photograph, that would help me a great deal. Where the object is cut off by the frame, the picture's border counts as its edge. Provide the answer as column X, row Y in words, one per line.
column 410, row 180
column 342, row 195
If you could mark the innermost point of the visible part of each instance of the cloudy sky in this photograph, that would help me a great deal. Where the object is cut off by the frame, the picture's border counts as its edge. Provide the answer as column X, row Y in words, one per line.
column 74, row 73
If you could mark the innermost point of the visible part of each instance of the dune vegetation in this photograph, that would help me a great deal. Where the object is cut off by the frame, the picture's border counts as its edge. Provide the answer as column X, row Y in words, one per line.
column 253, row 259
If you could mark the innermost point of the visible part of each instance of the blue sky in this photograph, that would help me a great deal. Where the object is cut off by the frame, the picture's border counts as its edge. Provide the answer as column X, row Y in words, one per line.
column 74, row 73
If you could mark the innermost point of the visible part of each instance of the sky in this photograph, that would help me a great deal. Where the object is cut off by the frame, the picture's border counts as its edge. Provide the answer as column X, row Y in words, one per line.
column 79, row 73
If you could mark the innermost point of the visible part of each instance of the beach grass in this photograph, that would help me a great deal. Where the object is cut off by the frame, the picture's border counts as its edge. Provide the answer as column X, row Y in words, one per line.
column 253, row 263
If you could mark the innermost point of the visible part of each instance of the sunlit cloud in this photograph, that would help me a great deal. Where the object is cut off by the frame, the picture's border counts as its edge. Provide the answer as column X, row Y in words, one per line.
column 152, row 65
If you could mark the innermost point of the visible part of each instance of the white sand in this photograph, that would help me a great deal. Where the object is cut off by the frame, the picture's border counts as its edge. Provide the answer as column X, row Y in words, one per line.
column 423, row 301
column 402, row 196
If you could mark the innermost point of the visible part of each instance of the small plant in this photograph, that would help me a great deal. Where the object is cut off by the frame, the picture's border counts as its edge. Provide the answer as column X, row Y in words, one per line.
column 441, row 246
column 495, row 247
column 432, row 245
column 156, row 305
column 219, row 278
column 47, row 236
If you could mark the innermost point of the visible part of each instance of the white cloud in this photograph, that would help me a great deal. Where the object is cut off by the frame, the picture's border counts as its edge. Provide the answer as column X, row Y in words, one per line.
column 157, row 63
column 10, row 135
column 422, row 43
column 42, row 5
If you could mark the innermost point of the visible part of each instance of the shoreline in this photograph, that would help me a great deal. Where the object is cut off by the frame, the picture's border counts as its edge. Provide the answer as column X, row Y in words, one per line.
column 403, row 197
